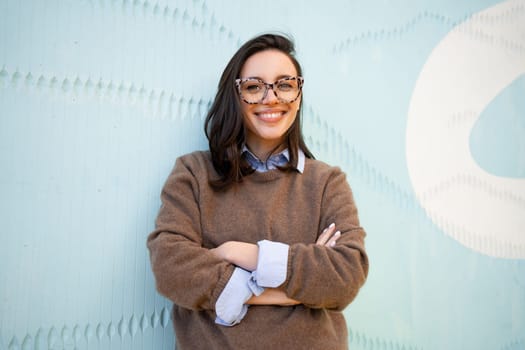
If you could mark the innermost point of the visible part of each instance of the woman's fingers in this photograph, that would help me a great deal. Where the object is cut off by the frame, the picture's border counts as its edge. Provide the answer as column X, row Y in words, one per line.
column 326, row 235
column 333, row 239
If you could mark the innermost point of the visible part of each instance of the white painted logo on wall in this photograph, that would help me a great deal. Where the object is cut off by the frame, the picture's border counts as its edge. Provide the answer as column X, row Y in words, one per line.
column 476, row 61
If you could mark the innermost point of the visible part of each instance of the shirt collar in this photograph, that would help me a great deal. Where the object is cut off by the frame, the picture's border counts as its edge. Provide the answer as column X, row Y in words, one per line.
column 278, row 159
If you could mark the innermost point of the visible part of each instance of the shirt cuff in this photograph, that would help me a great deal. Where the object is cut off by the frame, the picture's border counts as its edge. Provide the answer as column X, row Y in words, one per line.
column 272, row 264
column 230, row 306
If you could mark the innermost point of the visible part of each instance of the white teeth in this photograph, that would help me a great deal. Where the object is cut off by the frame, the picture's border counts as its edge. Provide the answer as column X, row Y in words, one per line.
column 273, row 115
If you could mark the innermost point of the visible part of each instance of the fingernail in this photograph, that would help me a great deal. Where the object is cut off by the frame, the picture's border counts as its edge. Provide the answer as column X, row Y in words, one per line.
column 324, row 231
column 332, row 243
column 332, row 225
column 338, row 233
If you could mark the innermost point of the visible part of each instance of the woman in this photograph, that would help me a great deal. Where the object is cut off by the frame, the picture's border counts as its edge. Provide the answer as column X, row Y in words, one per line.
column 257, row 244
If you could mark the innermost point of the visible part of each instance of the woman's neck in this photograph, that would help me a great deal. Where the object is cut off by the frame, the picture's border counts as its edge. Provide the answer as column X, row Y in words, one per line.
column 264, row 151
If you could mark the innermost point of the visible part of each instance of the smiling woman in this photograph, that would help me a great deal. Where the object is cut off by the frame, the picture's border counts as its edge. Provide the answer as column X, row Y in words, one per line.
column 256, row 238
column 244, row 89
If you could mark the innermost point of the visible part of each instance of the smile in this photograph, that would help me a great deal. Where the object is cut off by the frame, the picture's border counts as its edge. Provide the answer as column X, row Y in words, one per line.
column 270, row 116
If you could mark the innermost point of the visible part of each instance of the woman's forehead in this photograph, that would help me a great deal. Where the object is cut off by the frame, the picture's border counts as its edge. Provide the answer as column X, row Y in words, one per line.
column 268, row 65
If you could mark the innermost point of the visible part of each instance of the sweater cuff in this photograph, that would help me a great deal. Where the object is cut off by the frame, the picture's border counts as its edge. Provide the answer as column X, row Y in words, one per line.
column 272, row 264
column 230, row 306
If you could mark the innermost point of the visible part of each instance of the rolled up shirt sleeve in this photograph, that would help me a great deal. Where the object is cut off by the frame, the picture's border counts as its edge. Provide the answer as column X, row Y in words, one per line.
column 272, row 264
column 230, row 307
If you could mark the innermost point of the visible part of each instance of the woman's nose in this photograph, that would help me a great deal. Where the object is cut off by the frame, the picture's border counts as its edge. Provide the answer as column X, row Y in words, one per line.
column 271, row 97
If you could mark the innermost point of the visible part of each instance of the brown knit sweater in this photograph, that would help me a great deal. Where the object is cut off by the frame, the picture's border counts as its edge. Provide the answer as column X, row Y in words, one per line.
column 286, row 207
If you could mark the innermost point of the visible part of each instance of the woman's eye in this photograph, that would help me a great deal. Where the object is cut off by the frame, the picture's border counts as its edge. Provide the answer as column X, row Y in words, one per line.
column 285, row 86
column 252, row 87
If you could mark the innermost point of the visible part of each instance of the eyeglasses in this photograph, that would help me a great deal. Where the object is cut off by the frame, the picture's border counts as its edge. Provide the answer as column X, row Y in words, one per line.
column 253, row 90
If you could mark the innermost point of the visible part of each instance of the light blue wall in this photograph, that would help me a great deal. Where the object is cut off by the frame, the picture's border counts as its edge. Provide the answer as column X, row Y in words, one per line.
column 98, row 98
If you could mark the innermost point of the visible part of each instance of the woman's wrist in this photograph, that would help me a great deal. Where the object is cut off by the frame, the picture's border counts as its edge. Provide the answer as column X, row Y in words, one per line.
column 272, row 296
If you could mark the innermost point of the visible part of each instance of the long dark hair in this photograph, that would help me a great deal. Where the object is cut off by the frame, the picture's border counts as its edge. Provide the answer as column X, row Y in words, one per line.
column 224, row 125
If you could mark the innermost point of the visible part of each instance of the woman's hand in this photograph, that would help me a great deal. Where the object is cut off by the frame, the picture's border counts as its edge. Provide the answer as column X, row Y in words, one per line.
column 241, row 254
column 329, row 236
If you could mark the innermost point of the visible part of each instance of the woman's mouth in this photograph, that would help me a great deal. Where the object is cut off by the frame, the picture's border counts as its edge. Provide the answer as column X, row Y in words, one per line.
column 270, row 116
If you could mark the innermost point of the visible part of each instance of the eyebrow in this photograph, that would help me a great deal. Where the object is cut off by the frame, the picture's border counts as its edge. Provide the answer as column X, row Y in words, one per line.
column 279, row 77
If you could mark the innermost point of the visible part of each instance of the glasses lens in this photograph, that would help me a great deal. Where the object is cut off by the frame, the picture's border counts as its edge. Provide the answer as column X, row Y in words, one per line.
column 252, row 91
column 287, row 89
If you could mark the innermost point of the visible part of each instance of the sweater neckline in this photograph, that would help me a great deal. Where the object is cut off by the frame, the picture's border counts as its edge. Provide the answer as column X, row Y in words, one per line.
column 266, row 176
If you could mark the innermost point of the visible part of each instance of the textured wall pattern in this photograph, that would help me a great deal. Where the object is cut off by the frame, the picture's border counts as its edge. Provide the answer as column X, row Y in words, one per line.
column 422, row 103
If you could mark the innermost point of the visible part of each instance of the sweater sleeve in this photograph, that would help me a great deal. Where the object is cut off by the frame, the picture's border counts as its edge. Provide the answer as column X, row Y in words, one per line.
column 330, row 277
column 186, row 273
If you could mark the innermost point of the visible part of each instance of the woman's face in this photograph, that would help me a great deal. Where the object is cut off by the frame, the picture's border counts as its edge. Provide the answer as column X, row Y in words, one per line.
column 267, row 122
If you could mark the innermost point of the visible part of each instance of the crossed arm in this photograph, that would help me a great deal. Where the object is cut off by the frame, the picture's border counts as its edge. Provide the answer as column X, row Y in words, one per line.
column 245, row 255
